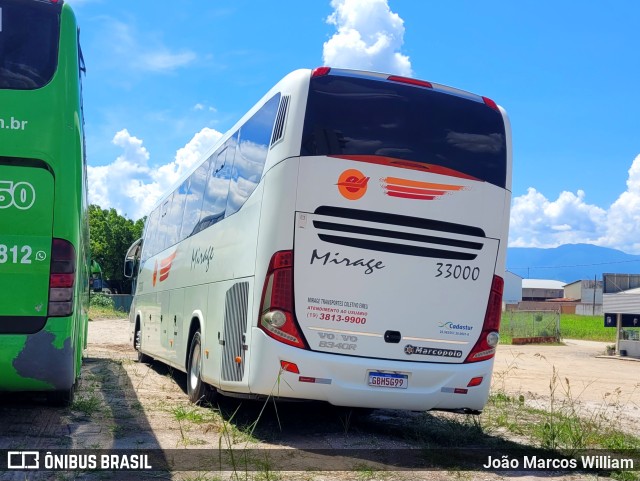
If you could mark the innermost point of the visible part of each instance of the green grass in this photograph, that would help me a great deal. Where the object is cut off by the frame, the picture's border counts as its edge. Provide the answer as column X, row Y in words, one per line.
column 98, row 312
column 87, row 403
column 505, row 337
column 564, row 427
column 193, row 414
column 572, row 326
column 588, row 328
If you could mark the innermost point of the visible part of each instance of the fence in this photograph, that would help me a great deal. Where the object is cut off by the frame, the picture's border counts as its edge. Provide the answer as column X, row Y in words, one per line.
column 533, row 326
column 589, row 310
column 121, row 302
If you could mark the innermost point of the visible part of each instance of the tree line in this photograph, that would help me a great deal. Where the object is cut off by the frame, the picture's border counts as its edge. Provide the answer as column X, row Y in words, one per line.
column 111, row 235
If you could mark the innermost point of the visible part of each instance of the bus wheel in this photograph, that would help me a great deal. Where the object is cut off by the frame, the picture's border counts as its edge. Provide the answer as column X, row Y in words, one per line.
column 196, row 389
column 142, row 358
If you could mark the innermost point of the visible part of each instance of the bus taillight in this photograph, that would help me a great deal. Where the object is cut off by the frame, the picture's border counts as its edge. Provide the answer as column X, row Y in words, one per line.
column 485, row 348
column 276, row 312
column 62, row 278
column 490, row 103
column 320, row 71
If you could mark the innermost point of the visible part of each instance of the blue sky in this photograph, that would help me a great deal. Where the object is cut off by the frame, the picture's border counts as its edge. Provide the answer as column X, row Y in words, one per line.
column 166, row 78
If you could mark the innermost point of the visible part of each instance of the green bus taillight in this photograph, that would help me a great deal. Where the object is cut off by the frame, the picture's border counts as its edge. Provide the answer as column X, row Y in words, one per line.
column 62, row 278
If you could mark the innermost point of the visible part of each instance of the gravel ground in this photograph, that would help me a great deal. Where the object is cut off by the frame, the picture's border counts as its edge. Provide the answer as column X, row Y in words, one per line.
column 122, row 404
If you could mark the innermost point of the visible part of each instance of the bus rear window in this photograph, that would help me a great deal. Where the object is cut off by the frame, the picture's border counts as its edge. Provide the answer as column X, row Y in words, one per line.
column 356, row 116
column 29, row 32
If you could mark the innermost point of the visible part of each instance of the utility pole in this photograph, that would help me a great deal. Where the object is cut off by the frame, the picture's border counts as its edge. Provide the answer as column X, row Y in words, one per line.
column 593, row 306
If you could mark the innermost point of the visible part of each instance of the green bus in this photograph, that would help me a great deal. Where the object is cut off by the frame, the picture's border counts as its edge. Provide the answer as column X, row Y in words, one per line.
column 44, row 231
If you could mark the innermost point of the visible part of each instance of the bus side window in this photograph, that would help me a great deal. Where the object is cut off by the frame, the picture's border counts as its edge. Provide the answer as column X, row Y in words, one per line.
column 193, row 201
column 163, row 225
column 149, row 249
column 255, row 136
column 174, row 216
column 217, row 189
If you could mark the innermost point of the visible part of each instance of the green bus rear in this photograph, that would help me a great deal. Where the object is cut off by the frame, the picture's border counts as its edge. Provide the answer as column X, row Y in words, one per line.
column 44, row 233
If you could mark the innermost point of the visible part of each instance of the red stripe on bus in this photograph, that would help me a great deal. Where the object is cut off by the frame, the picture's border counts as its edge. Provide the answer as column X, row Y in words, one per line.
column 166, row 262
column 410, row 190
column 411, row 196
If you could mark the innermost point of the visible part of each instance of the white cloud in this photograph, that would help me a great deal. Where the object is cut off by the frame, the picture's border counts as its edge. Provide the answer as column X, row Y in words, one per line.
column 141, row 52
column 623, row 220
column 131, row 185
column 164, row 60
column 200, row 107
column 369, row 37
column 539, row 222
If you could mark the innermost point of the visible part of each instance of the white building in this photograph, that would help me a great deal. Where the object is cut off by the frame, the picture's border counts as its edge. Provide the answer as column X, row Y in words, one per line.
column 541, row 289
column 587, row 292
column 622, row 310
column 512, row 288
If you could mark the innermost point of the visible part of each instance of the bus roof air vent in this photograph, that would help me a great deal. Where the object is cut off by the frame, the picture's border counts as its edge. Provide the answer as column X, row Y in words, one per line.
column 278, row 128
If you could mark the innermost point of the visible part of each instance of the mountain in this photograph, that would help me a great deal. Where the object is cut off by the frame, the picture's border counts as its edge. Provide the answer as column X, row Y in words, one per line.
column 570, row 262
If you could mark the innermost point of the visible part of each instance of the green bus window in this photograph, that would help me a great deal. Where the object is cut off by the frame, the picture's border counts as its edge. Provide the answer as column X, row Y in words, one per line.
column 28, row 55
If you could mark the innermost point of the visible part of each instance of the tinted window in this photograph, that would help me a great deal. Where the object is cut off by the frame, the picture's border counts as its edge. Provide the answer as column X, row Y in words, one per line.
column 255, row 135
column 163, row 226
column 193, row 201
column 174, row 215
column 150, row 235
column 215, row 195
column 352, row 116
column 29, row 33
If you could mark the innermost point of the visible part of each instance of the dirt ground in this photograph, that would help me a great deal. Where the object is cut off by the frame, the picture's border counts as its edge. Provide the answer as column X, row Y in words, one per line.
column 578, row 371
column 122, row 404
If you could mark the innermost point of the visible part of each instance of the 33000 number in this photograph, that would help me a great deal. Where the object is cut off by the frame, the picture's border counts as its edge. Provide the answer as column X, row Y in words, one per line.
column 456, row 271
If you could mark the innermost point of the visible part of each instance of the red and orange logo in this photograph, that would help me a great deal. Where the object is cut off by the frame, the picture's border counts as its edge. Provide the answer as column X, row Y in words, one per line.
column 155, row 274
column 352, row 184
column 165, row 267
column 413, row 189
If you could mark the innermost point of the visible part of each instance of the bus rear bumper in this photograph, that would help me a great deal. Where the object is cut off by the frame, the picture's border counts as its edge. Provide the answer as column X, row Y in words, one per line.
column 38, row 362
column 343, row 380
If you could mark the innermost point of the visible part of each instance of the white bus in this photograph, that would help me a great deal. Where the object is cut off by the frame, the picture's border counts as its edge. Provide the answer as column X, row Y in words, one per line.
column 344, row 242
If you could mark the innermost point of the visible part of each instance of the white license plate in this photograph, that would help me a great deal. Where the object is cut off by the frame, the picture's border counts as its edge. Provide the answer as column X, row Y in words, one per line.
column 388, row 379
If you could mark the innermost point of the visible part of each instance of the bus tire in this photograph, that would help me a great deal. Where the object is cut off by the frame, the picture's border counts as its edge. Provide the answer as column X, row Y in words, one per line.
column 142, row 358
column 196, row 389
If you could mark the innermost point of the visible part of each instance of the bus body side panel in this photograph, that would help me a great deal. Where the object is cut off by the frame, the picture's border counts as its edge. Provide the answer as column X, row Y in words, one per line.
column 189, row 282
column 216, row 264
column 230, row 299
column 44, row 144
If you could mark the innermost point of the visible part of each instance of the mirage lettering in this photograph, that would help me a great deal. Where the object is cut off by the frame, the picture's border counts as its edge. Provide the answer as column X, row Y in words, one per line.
column 371, row 265
column 201, row 257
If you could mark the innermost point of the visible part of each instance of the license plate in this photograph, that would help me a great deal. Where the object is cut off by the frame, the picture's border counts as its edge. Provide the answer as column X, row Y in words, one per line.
column 388, row 379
